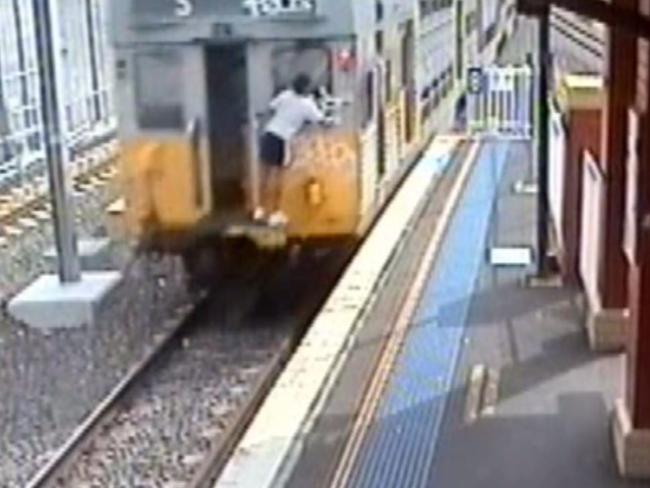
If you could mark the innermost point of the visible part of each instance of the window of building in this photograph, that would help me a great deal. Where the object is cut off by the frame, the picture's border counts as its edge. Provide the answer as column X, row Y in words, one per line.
column 429, row 7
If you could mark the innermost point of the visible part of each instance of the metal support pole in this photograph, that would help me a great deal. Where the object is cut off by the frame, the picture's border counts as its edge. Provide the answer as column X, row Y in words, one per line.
column 69, row 267
column 542, row 141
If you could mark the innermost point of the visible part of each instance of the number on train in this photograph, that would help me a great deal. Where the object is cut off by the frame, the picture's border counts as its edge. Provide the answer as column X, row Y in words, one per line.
column 184, row 8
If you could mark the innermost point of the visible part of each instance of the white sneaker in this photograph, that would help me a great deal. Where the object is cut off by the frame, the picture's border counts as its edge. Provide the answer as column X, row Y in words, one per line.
column 259, row 214
column 278, row 219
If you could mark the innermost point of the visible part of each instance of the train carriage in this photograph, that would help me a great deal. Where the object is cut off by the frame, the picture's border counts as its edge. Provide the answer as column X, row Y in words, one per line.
column 194, row 79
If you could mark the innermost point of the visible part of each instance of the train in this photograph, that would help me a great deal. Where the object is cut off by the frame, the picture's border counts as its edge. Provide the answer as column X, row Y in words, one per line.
column 192, row 85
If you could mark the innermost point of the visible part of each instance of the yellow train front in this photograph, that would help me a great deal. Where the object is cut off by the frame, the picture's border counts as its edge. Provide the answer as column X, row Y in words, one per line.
column 194, row 79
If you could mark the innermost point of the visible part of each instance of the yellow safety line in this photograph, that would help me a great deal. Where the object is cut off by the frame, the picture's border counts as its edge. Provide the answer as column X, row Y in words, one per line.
column 398, row 334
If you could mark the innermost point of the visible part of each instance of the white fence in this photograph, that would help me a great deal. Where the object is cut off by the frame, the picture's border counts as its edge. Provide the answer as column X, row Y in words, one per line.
column 499, row 100
column 21, row 137
column 82, row 76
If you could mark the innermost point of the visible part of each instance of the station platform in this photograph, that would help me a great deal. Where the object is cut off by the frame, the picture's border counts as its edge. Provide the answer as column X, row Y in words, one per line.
column 462, row 374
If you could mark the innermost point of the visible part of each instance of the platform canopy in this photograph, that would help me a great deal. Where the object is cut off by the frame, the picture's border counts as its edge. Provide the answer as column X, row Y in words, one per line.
column 610, row 14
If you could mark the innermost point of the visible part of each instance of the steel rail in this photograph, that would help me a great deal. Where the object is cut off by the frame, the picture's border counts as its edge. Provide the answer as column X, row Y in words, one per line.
column 68, row 454
column 40, row 198
column 67, row 457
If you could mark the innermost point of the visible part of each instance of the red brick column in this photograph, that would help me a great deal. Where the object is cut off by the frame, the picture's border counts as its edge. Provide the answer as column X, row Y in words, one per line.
column 607, row 320
column 638, row 364
column 632, row 415
column 583, row 133
column 621, row 81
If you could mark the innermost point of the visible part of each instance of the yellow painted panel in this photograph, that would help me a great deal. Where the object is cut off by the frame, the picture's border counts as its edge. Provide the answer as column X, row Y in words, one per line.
column 369, row 169
column 321, row 189
column 160, row 184
column 401, row 124
column 391, row 126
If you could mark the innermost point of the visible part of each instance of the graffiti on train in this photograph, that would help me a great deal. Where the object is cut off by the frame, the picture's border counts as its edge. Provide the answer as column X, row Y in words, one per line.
column 336, row 153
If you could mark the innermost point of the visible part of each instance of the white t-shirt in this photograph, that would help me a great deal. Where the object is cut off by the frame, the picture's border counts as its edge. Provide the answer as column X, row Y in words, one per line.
column 291, row 113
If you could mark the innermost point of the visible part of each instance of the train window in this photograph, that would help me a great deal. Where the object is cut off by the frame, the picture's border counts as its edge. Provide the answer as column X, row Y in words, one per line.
column 470, row 23
column 379, row 11
column 34, row 141
column 290, row 61
column 379, row 42
column 369, row 98
column 159, row 90
column 5, row 128
column 388, row 81
column 426, row 109
column 436, row 93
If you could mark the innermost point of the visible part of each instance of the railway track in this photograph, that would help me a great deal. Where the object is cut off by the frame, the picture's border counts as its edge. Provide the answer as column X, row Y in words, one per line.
column 176, row 416
column 26, row 206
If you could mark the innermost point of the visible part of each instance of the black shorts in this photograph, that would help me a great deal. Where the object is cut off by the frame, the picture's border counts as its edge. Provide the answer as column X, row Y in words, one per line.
column 273, row 150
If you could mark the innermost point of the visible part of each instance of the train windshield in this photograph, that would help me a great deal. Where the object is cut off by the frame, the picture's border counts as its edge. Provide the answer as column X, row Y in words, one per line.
column 159, row 90
column 289, row 61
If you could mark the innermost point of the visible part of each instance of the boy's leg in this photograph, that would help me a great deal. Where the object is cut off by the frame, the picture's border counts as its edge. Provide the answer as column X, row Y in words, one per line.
column 275, row 180
column 264, row 198
column 279, row 176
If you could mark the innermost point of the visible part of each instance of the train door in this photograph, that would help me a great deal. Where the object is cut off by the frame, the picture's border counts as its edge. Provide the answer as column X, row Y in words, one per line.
column 381, row 102
column 227, row 113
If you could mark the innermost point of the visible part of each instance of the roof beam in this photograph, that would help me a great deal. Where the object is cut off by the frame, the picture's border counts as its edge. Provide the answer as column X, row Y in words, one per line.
column 609, row 14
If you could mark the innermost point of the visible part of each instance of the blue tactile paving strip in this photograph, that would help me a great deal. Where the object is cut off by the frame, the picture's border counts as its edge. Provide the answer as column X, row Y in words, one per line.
column 399, row 448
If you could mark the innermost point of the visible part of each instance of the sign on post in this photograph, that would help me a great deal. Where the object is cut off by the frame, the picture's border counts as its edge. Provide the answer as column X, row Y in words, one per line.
column 475, row 80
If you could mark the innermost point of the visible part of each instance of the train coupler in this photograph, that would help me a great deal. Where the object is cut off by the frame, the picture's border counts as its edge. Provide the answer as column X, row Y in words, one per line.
column 264, row 236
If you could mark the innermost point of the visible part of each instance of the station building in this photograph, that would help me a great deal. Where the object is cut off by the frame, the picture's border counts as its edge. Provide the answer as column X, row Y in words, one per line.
column 82, row 60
